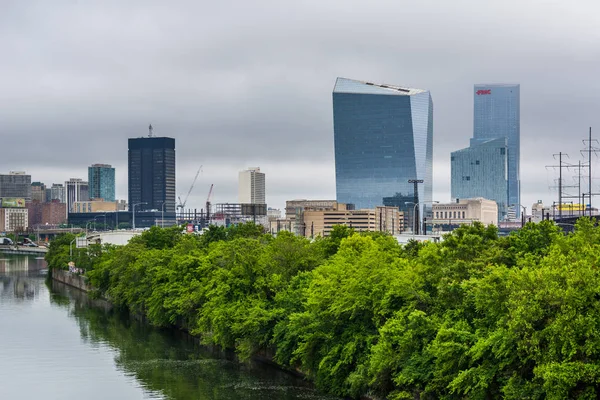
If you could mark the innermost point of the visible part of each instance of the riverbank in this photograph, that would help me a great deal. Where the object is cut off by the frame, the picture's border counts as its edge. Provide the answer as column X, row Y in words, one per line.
column 80, row 283
column 363, row 315
column 74, row 280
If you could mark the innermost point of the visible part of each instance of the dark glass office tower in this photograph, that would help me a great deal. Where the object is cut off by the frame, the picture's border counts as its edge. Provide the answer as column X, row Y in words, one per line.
column 383, row 137
column 152, row 174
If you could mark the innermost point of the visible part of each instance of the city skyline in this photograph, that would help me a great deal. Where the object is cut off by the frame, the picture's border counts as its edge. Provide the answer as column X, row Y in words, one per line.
column 78, row 98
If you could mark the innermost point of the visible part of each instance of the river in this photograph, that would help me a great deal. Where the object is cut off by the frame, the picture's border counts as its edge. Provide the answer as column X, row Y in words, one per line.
column 55, row 345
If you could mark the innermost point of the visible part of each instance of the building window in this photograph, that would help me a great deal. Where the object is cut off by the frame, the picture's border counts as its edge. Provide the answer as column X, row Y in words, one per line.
column 454, row 214
column 463, row 215
column 502, row 151
column 476, row 162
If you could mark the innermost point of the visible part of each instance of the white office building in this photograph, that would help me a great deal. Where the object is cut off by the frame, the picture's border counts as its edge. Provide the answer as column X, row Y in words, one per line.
column 251, row 187
column 75, row 190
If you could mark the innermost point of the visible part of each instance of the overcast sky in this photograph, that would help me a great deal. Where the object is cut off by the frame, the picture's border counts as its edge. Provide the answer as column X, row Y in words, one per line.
column 248, row 83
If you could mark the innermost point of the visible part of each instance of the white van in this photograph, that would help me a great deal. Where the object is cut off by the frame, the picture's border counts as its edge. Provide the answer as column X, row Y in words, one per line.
column 5, row 241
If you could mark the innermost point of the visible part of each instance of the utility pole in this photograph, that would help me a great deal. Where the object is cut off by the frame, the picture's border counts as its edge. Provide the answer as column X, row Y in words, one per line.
column 560, row 186
column 579, row 187
column 590, row 167
column 560, row 166
column 416, row 221
column 589, row 150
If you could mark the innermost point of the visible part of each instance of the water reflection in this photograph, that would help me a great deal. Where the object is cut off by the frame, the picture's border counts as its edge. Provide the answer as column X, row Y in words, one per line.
column 19, row 277
column 173, row 365
column 13, row 264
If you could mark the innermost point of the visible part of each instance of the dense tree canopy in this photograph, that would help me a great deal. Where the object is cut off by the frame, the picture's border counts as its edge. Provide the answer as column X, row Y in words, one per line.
column 475, row 316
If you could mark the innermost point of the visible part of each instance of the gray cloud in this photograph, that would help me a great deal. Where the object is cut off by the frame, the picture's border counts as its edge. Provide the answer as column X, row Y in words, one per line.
column 243, row 84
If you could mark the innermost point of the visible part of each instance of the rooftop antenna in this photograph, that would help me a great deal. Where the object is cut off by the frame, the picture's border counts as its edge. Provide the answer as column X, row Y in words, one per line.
column 151, row 131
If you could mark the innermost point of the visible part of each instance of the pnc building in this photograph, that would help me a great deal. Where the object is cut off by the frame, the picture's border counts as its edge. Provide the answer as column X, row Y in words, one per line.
column 496, row 115
column 383, row 137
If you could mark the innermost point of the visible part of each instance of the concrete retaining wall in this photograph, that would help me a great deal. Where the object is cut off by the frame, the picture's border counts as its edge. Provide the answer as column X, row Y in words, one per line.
column 70, row 279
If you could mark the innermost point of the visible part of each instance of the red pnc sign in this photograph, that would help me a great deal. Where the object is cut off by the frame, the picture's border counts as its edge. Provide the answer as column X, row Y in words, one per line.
column 485, row 91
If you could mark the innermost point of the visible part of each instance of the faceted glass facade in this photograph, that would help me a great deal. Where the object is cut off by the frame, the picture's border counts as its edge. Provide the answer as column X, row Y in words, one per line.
column 481, row 171
column 152, row 174
column 497, row 115
column 101, row 178
column 383, row 136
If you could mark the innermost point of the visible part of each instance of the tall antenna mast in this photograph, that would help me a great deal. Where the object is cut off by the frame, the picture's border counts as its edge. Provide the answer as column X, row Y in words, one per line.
column 151, row 131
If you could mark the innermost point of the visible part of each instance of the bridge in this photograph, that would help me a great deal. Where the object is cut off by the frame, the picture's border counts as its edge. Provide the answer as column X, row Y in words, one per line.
column 44, row 234
column 25, row 250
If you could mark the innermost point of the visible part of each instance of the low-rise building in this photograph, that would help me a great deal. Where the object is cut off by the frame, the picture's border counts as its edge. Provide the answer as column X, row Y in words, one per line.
column 292, row 207
column 94, row 205
column 464, row 211
column 122, row 205
column 280, row 225
column 13, row 219
column 321, row 222
column 294, row 211
column 538, row 212
column 311, row 218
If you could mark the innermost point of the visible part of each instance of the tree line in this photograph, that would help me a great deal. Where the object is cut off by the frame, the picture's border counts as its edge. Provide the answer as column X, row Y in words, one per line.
column 476, row 316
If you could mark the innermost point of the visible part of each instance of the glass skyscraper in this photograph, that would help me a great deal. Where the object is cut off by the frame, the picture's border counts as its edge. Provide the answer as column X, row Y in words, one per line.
column 101, row 180
column 383, row 137
column 480, row 171
column 496, row 116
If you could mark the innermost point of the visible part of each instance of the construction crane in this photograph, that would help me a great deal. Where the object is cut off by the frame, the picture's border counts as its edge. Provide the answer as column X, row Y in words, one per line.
column 181, row 205
column 208, row 204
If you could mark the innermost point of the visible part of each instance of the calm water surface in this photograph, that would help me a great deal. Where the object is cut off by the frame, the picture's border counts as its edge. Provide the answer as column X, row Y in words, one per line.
column 55, row 345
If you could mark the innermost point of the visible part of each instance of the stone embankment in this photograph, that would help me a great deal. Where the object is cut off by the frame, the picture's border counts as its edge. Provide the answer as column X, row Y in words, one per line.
column 68, row 278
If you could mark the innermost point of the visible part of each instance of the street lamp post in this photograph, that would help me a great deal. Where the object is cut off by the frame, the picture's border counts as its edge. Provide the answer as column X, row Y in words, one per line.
column 415, row 222
column 407, row 203
column 86, row 227
column 415, row 210
column 523, row 213
column 71, row 249
column 133, row 219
